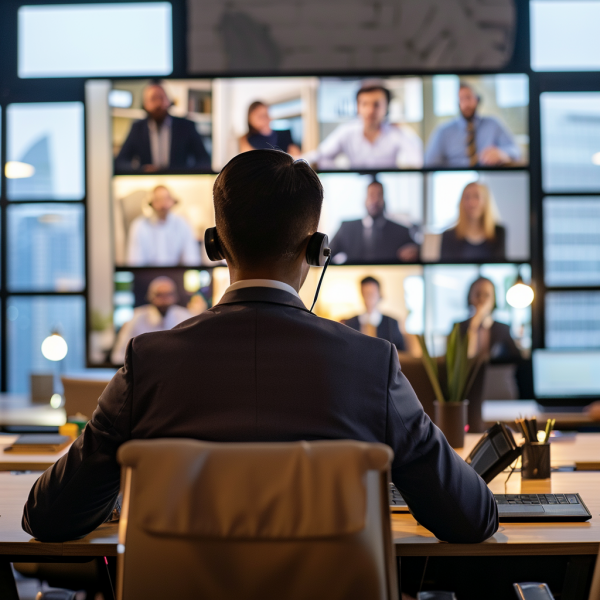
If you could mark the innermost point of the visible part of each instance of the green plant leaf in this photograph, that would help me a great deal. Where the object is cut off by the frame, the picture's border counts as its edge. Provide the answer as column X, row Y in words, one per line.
column 431, row 369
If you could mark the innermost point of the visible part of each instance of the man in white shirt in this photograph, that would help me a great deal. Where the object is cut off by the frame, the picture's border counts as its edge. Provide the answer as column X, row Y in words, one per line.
column 164, row 239
column 370, row 142
column 160, row 315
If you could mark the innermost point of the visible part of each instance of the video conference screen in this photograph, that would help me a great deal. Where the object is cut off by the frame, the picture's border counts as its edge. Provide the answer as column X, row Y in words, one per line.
column 425, row 179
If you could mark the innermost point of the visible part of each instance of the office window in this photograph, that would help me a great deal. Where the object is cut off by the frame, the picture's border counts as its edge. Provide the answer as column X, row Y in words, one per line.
column 30, row 319
column 572, row 241
column 80, row 40
column 46, row 249
column 564, row 35
column 570, row 141
column 573, row 320
column 45, row 154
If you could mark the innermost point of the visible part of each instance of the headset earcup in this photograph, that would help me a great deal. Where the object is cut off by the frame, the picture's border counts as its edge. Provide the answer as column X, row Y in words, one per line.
column 212, row 245
column 315, row 251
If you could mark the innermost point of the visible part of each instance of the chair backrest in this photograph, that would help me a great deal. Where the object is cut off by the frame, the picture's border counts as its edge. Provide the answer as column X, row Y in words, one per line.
column 415, row 372
column 81, row 395
column 256, row 521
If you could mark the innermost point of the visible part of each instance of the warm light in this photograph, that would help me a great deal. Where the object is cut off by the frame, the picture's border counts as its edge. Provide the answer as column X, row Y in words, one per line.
column 519, row 295
column 56, row 401
column 18, row 170
column 596, row 158
column 54, row 347
column 191, row 281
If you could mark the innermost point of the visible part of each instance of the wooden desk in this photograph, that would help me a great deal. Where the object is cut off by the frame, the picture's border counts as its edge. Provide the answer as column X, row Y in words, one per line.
column 16, row 409
column 513, row 539
column 565, row 450
column 25, row 462
column 506, row 411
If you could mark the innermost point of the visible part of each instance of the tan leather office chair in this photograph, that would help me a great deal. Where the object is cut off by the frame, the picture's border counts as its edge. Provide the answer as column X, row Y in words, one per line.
column 81, row 395
column 255, row 521
column 414, row 371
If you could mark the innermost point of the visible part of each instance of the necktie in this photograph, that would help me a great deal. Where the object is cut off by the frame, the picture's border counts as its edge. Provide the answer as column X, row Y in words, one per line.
column 471, row 150
column 369, row 330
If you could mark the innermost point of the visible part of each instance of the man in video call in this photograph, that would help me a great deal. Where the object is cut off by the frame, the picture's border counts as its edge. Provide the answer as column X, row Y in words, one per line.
column 374, row 238
column 160, row 314
column 161, row 141
column 163, row 239
column 470, row 139
column 370, row 141
column 259, row 366
column 372, row 322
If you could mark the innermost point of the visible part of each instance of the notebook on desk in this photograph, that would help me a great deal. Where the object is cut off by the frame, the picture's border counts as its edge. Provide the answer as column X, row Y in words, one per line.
column 523, row 508
column 38, row 444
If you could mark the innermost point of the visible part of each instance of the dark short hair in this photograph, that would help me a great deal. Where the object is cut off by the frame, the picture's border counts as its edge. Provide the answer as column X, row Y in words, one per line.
column 464, row 85
column 375, row 88
column 368, row 279
column 472, row 287
column 266, row 206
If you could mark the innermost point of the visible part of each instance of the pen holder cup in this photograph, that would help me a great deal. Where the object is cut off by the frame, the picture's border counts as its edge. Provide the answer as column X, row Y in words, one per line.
column 535, row 461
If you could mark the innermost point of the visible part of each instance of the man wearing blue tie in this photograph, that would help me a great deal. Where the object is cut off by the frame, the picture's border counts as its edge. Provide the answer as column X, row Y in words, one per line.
column 471, row 140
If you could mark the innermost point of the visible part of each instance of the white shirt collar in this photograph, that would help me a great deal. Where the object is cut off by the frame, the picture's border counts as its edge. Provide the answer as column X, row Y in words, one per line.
column 267, row 283
column 371, row 319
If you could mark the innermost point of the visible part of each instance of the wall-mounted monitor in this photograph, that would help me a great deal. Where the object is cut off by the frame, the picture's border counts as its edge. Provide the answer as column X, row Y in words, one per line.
column 92, row 40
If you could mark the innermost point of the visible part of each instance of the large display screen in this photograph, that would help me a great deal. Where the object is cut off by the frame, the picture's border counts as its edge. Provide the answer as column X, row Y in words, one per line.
column 426, row 194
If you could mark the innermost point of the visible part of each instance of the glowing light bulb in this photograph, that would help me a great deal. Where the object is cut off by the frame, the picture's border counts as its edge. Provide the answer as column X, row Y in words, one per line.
column 18, row 170
column 54, row 347
column 56, row 401
column 519, row 295
column 596, row 158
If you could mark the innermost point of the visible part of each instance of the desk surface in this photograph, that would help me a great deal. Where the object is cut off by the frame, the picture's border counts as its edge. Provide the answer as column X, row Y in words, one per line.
column 565, row 450
column 25, row 462
column 14, row 490
column 411, row 539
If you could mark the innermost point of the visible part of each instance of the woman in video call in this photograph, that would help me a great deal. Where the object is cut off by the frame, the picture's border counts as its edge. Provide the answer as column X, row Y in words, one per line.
column 488, row 339
column 260, row 136
column 477, row 236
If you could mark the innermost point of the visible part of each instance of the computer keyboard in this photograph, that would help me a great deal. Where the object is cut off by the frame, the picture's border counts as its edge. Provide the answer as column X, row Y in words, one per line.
column 524, row 508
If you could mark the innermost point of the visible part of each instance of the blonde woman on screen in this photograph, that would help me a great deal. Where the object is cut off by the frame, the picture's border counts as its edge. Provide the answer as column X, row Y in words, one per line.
column 477, row 236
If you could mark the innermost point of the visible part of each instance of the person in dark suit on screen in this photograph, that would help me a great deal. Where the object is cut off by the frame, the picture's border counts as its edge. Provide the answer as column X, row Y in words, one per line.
column 488, row 339
column 259, row 366
column 161, row 141
column 373, row 239
column 372, row 322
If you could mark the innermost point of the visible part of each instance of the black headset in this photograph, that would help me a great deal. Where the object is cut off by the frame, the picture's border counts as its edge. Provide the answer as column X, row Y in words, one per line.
column 318, row 253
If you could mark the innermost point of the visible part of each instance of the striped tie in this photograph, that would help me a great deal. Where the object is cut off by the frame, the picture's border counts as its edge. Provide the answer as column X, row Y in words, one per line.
column 471, row 150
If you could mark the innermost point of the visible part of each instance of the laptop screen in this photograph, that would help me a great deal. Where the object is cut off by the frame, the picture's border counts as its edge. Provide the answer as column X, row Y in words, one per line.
column 566, row 374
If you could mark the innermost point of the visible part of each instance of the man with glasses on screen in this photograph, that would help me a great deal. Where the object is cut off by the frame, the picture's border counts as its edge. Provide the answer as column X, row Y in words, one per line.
column 161, row 141
column 370, row 141
column 470, row 139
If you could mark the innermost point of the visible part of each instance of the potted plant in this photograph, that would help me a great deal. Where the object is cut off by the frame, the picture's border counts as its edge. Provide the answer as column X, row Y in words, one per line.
column 451, row 395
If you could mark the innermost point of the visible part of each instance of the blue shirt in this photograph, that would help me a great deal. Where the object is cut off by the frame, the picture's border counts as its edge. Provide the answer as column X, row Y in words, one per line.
column 448, row 143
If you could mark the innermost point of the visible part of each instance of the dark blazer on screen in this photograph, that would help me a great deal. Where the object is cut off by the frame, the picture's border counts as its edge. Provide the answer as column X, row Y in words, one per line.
column 350, row 240
column 260, row 367
column 502, row 345
column 454, row 249
column 388, row 329
column 187, row 148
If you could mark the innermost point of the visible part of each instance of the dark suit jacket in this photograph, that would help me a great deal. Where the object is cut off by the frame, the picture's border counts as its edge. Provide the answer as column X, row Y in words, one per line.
column 187, row 149
column 386, row 243
column 455, row 249
column 259, row 367
column 502, row 345
column 388, row 330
